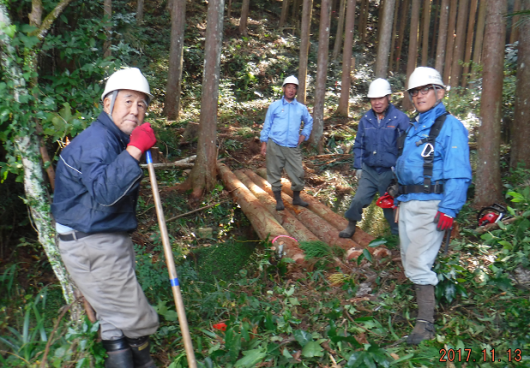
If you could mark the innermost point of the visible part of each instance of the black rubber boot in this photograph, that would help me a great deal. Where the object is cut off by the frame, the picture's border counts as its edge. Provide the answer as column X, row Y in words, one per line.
column 297, row 201
column 349, row 231
column 120, row 354
column 141, row 352
column 279, row 202
column 424, row 329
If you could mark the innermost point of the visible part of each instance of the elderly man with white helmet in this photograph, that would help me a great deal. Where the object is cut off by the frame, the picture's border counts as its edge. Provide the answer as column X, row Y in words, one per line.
column 375, row 153
column 433, row 174
column 97, row 186
column 280, row 142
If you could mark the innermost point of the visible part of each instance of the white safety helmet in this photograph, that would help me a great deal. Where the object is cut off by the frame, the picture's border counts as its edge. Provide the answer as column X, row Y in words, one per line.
column 422, row 76
column 131, row 79
column 379, row 88
column 290, row 79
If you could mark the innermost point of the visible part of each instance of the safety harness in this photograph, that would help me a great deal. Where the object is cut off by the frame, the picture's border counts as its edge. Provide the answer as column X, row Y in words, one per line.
column 428, row 159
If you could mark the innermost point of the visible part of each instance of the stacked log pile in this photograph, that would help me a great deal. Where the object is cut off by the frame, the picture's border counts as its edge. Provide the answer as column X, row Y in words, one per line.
column 285, row 229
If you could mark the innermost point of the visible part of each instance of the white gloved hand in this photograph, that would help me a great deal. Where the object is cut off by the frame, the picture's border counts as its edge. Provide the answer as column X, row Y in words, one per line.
column 358, row 174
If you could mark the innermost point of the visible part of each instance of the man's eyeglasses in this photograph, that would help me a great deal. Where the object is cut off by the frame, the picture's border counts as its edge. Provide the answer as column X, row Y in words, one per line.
column 423, row 90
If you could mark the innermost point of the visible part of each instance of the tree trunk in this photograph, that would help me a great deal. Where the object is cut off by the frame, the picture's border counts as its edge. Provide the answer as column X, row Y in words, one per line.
column 27, row 148
column 435, row 14
column 304, row 50
column 488, row 188
column 401, row 33
column 469, row 41
column 394, row 36
column 458, row 53
column 426, row 26
column 322, row 68
column 380, row 10
column 340, row 29
column 285, row 11
column 477, row 50
column 202, row 176
column 514, row 32
column 174, row 78
column 520, row 152
column 442, row 36
column 343, row 108
column 413, row 47
column 140, row 11
column 383, row 49
column 243, row 20
column 107, row 11
column 450, row 41
column 265, row 225
column 229, row 9
column 364, row 19
column 294, row 16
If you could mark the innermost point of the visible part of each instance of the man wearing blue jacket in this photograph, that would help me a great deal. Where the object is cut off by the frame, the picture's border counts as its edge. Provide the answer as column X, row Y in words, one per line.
column 280, row 142
column 375, row 152
column 97, row 185
column 433, row 178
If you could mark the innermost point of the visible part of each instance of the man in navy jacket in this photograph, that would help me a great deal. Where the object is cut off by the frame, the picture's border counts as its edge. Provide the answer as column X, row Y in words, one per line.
column 375, row 151
column 97, row 184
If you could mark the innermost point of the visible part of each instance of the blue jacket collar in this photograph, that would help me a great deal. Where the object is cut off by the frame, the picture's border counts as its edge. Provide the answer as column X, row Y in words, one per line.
column 427, row 118
column 284, row 101
column 104, row 119
column 371, row 113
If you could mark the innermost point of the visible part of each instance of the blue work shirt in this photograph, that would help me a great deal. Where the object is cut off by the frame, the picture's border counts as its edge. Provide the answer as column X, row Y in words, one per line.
column 376, row 141
column 283, row 121
column 451, row 161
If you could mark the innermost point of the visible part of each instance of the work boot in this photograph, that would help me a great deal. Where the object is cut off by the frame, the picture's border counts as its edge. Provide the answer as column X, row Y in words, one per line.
column 424, row 329
column 297, row 201
column 141, row 352
column 120, row 354
column 349, row 231
column 279, row 202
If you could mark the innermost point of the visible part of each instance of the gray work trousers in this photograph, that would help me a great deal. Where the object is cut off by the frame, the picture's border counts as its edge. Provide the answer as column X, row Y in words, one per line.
column 290, row 158
column 371, row 182
column 102, row 267
column 419, row 240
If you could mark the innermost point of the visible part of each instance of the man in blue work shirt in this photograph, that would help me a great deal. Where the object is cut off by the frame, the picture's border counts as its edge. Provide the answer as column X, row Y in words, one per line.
column 281, row 139
column 433, row 176
column 375, row 151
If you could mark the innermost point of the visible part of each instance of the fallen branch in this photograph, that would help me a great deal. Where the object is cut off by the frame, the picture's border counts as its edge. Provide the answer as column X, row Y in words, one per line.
column 187, row 162
column 329, row 155
column 197, row 210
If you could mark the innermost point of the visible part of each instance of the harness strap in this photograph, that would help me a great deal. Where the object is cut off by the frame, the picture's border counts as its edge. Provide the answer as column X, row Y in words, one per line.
column 407, row 189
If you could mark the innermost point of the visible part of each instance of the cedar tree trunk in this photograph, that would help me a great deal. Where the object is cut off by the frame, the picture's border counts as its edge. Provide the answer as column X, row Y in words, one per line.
column 140, row 11
column 176, row 48
column 401, row 33
column 304, row 50
column 340, row 29
column 244, row 16
column 393, row 37
column 283, row 16
column 479, row 38
column 469, row 40
column 488, row 176
column 458, row 53
column 442, row 36
column 343, row 108
column 413, row 48
column 426, row 26
column 107, row 11
column 383, row 49
column 450, row 41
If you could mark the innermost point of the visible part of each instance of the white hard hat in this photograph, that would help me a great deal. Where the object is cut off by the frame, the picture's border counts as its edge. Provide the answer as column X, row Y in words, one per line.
column 379, row 88
column 290, row 79
column 422, row 76
column 131, row 79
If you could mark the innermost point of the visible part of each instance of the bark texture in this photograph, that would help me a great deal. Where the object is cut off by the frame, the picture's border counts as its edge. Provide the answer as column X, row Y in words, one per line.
column 107, row 11
column 383, row 49
column 343, row 108
column 401, row 33
column 176, row 49
column 488, row 189
column 304, row 50
column 322, row 68
column 340, row 30
column 479, row 38
column 458, row 53
column 520, row 152
column 285, row 11
column 140, row 11
column 244, row 17
column 394, row 36
column 202, row 177
column 442, row 36
column 514, row 32
column 413, row 46
column 450, row 41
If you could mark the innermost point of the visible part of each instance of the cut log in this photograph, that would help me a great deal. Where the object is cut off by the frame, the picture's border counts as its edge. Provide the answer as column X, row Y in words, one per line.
column 186, row 162
column 321, row 228
column 285, row 218
column 339, row 222
column 262, row 221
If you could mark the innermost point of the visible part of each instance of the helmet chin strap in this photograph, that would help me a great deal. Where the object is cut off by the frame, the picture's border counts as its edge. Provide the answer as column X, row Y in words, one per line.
column 113, row 95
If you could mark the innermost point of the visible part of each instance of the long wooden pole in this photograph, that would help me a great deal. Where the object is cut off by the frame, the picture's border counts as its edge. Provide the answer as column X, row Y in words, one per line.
column 170, row 262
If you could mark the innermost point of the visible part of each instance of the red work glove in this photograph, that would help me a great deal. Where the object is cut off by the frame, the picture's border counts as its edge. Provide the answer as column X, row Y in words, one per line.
column 444, row 221
column 143, row 137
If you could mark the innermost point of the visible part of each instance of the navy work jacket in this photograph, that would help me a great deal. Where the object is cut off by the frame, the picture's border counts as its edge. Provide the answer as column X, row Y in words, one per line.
column 97, row 181
column 376, row 142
